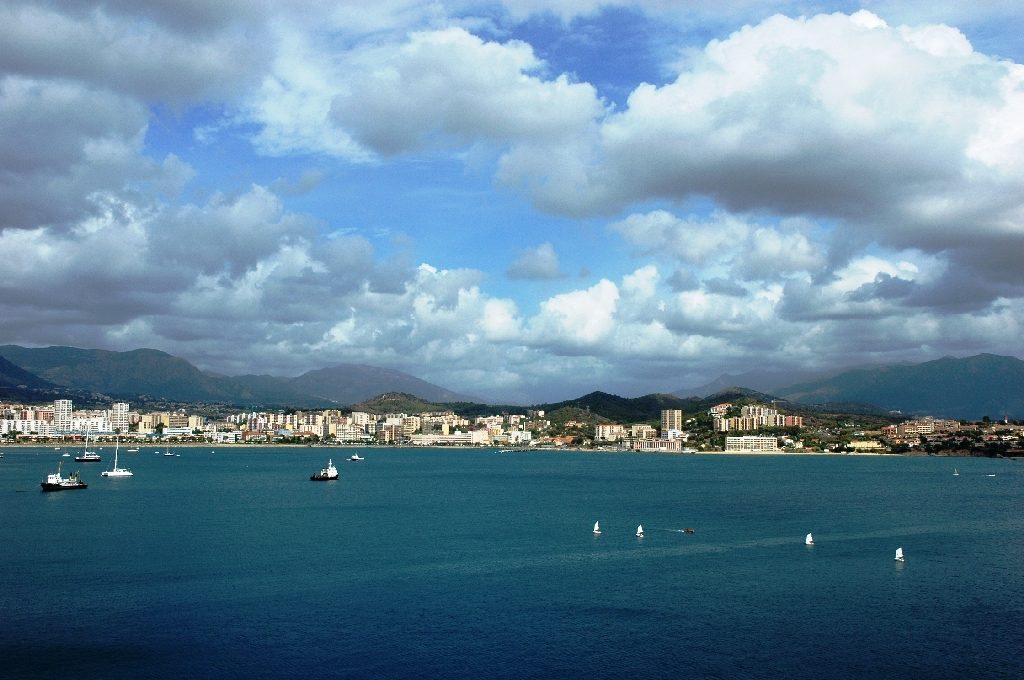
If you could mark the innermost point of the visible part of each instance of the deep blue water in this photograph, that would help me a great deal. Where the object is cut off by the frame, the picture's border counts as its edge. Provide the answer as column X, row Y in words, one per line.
column 475, row 564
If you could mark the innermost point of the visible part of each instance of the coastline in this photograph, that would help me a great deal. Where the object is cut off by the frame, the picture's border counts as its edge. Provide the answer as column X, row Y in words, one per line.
column 264, row 445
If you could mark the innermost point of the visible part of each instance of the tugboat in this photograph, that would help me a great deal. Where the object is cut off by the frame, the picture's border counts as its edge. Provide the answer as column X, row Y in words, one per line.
column 326, row 474
column 55, row 482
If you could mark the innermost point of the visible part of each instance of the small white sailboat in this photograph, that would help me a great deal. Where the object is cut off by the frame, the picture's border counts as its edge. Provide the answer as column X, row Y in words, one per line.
column 597, row 528
column 899, row 554
column 809, row 540
column 117, row 471
column 956, row 473
column 639, row 530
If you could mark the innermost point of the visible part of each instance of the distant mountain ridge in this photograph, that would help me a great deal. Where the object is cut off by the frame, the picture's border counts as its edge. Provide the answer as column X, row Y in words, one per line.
column 967, row 388
column 147, row 374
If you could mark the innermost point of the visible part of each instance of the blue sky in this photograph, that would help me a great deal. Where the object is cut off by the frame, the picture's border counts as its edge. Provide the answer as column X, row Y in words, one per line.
column 521, row 201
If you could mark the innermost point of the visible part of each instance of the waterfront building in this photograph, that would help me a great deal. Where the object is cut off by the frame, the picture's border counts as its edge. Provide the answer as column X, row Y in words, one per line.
column 666, row 445
column 752, row 444
column 609, row 432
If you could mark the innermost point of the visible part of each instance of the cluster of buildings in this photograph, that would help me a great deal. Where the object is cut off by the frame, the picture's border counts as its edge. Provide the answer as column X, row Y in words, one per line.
column 751, row 417
column 912, row 429
column 644, row 437
column 672, row 436
column 60, row 420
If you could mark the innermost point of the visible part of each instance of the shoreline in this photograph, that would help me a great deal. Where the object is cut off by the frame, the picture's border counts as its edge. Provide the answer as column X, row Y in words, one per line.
column 262, row 445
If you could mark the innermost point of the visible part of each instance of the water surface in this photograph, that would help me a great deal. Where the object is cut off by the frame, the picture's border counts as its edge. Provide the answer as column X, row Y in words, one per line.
column 470, row 563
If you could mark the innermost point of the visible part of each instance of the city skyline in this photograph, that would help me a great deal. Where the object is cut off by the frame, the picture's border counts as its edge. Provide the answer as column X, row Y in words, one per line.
column 520, row 201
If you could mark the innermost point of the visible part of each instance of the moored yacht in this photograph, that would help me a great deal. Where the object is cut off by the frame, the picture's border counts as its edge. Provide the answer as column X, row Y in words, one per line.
column 117, row 471
column 88, row 456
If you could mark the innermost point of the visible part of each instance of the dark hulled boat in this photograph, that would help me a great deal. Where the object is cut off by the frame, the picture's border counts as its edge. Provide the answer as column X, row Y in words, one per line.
column 57, row 482
column 326, row 474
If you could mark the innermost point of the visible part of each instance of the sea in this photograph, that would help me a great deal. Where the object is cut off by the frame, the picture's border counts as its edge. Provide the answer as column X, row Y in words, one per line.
column 474, row 563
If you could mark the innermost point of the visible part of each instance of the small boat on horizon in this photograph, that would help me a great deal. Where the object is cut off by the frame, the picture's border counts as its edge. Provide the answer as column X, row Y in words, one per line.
column 899, row 554
column 326, row 474
column 956, row 473
column 56, row 482
column 355, row 457
column 809, row 540
column 597, row 528
column 639, row 530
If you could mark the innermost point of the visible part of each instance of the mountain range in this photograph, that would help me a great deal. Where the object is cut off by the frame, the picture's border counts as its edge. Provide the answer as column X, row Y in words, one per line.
column 966, row 388
column 147, row 375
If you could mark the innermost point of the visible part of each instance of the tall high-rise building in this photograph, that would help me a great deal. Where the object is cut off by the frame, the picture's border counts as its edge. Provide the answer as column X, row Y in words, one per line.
column 671, row 419
column 119, row 417
column 62, row 414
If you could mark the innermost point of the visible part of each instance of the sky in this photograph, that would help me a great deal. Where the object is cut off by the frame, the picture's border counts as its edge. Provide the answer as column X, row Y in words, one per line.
column 521, row 201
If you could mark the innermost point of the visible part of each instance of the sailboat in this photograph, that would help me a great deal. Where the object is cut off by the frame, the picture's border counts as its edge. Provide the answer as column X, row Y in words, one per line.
column 639, row 530
column 88, row 456
column 117, row 471
column 956, row 473
column 899, row 554
column 597, row 528
column 809, row 540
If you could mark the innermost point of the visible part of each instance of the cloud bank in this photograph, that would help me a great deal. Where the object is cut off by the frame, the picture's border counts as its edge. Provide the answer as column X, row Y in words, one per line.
column 811, row 190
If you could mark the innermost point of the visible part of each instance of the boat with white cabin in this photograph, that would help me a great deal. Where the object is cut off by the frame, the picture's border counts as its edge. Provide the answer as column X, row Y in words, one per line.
column 355, row 457
column 56, row 482
column 117, row 471
column 326, row 474
column 88, row 456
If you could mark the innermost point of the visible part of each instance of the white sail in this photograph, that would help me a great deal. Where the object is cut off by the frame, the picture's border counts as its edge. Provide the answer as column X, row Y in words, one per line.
column 956, row 473
column 809, row 540
column 899, row 554
column 597, row 527
column 640, row 530
column 116, row 471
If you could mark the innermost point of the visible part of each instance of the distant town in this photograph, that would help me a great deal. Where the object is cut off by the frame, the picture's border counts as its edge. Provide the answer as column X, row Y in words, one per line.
column 725, row 427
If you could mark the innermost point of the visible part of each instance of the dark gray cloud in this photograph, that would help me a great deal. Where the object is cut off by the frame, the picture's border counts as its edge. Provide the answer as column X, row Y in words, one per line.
column 536, row 263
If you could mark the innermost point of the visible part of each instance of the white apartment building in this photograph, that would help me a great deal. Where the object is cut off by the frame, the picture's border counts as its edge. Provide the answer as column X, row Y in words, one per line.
column 119, row 419
column 752, row 444
column 42, row 428
column 609, row 432
column 62, row 414
column 92, row 424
